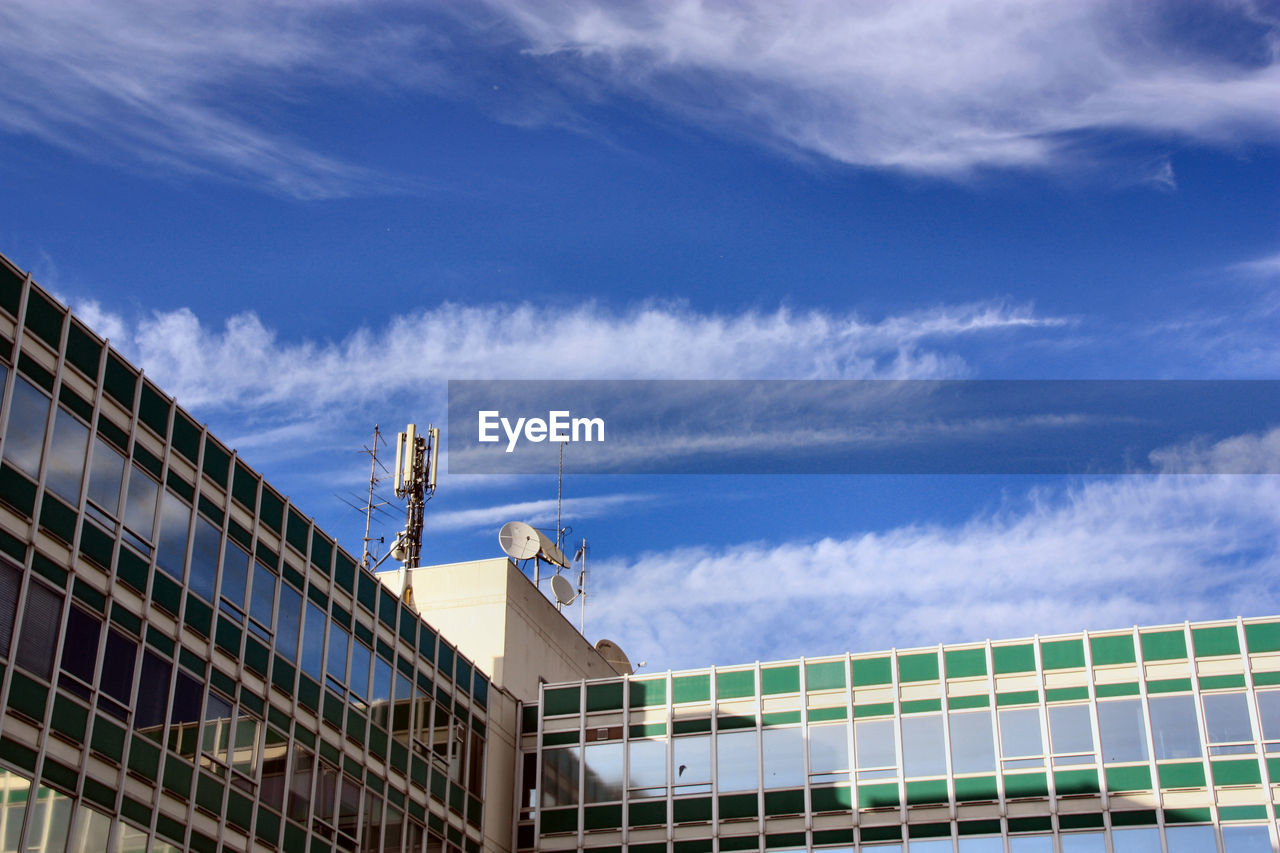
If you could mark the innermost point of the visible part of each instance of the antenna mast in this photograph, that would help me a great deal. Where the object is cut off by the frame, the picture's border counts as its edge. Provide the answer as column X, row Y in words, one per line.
column 416, row 480
column 370, row 505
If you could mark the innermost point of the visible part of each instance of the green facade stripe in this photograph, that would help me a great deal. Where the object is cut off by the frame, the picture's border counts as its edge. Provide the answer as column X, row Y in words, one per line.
column 820, row 715
column 1128, row 778
column 780, row 718
column 1230, row 814
column 691, row 688
column 1026, row 785
column 1215, row 642
column 1188, row 815
column 738, row 806
column 1137, row 817
column 1020, row 697
column 1170, row 685
column 976, row 788
column 1065, row 694
column 1218, row 682
column 1263, row 636
column 1164, row 645
column 1112, row 650
column 921, row 667
column 559, row 738
column 966, row 663
column 1266, row 679
column 1127, row 689
column 735, row 685
column 1081, row 820
column 1030, row 824
column 1188, row 774
column 604, row 697
column 978, row 827
column 1018, row 658
column 928, row 830
column 1241, row 772
column 1069, row 782
column 824, row 676
column 562, row 700
column 780, row 679
column 837, row 799
column 784, row 802
column 919, row 706
column 872, row 671
column 957, row 703
column 877, row 796
column 1062, row 654
column 873, row 709
column 927, row 791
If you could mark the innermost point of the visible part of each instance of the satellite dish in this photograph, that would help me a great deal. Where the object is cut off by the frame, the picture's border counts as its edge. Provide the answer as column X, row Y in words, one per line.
column 521, row 541
column 615, row 657
column 564, row 591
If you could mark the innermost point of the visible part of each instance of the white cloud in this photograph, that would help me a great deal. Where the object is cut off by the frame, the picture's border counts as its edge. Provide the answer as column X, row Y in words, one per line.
column 538, row 513
column 934, row 86
column 1106, row 554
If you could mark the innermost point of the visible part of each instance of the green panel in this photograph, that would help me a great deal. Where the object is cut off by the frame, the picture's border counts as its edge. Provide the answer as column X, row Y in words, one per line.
column 872, row 671
column 1069, row 782
column 1062, row 654
column 1266, row 679
column 691, row 688
column 1242, row 772
column 604, row 697
column 119, row 381
column 877, row 796
column 153, row 410
column 828, row 837
column 135, row 811
column 689, row 810
column 1087, row 820
column 35, row 372
column 1026, row 785
column 920, row 706
column 44, row 318
column 978, row 827
column 1215, row 642
column 1109, row 650
column 17, row 491
column 691, row 727
column 1128, row 778
column 736, row 806
column 1127, row 689
column 1170, row 685
column 96, row 544
column 1164, row 645
column 344, row 572
column 734, row 685
column 921, row 667
column 58, row 518
column 1020, row 658
column 976, row 788
column 559, row 738
column 821, row 715
column 648, row 693
column 784, row 802
column 1065, row 694
column 928, row 830
column 1021, row 697
column 695, row 845
column 1263, row 636
column 271, row 511
column 838, row 799
column 209, row 793
column 198, row 615
column 76, row 403
column 648, row 730
column 824, row 676
column 738, row 843
column 10, row 290
column 1273, row 769
column 1188, row 815
column 321, row 551
column 1234, row 813
column 780, row 679
column 1219, row 682
column 58, row 775
column 562, row 700
column 929, row 791
column 780, row 718
column 49, row 569
column 873, row 709
column 558, row 820
column 68, row 718
column 144, row 758
column 177, row 776
column 1186, row 774
column 652, row 813
column 28, row 696
column 779, row 840
column 881, row 833
column 1030, row 824
column 1138, row 817
column 103, row 795
column 966, row 663
column 17, row 754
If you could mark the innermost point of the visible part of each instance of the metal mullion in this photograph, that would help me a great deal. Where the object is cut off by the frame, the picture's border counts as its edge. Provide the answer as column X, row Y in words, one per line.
column 624, row 830
column 1202, row 721
column 1153, row 769
column 537, row 770
column 850, row 741
column 1259, row 740
column 898, row 745
column 997, row 748
column 713, row 751
column 671, row 747
column 1097, row 740
column 19, row 333
column 804, row 747
column 582, row 755
column 761, row 815
column 1046, row 745
column 945, row 705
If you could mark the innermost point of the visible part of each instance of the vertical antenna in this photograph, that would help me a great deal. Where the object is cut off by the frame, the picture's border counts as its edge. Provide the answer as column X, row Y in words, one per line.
column 582, row 588
column 416, row 480
column 370, row 505
column 559, row 495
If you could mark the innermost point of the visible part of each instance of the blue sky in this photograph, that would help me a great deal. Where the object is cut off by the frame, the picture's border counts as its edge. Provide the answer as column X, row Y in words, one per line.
column 302, row 218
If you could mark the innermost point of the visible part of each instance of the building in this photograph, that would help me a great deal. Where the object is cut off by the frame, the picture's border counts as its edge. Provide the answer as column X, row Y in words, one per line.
column 189, row 663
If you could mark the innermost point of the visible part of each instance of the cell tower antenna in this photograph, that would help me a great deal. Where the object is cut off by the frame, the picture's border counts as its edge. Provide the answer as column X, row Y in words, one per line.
column 371, row 504
column 415, row 474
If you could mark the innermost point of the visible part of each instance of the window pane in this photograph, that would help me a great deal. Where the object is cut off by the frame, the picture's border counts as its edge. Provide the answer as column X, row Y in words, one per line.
column 216, row 738
column 1087, row 842
column 1124, row 737
column 1070, row 729
column 80, row 654
column 1031, row 844
column 1246, row 839
column 736, row 761
column 14, row 791
column 874, row 741
column 153, row 694
column 1190, row 839
column 932, row 845
column 923, row 753
column 264, row 594
column 560, row 776
column 235, row 573
column 339, row 641
column 973, row 748
column 603, row 780
column 184, row 715
column 691, row 760
column 300, row 783
column 274, row 777
column 828, row 748
column 24, row 438
column 67, row 450
column 1226, row 715
column 40, row 621
column 106, row 476
column 140, row 504
column 647, row 765
column 91, row 832
column 10, row 582
column 1020, row 732
column 313, row 642
column 988, row 844
column 246, row 744
column 1144, row 840
column 49, row 820
column 783, row 757
column 359, row 681
column 117, row 666
column 290, row 617
column 1174, row 728
column 171, row 550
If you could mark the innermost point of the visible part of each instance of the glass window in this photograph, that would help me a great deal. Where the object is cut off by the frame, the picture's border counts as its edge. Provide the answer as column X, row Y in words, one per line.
column 349, row 806
column 1190, row 839
column 828, row 749
column 133, row 840
column 736, row 761
column 171, row 550
column 106, row 476
column 1141, row 840
column 247, row 746
column 783, row 751
column 873, row 740
column 41, row 619
column 24, row 438
column 216, row 738
column 1124, row 736
column 1086, row 842
column 67, row 450
column 117, row 669
column 930, row 845
column 14, row 791
column 973, row 748
column 140, row 503
column 49, row 820
column 80, row 655
column 326, row 790
column 983, row 844
column 1226, row 716
column 274, row 776
column 235, row 574
column 91, row 831
column 691, row 761
column 1020, row 733
column 1071, row 731
column 647, row 765
column 1269, row 714
column 560, row 776
column 1174, row 729
column 603, row 780
column 1246, row 839
column 184, row 715
column 300, row 782
column 923, row 752
column 153, row 694
column 380, row 691
column 313, row 642
column 1031, row 844
column 263, row 598
column 10, row 583
column 360, row 662
column 402, row 709
column 206, row 544
column 290, row 619
column 339, row 651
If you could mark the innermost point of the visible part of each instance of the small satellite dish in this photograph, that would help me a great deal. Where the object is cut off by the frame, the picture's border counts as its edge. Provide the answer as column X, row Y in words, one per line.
column 564, row 591
column 615, row 657
column 519, row 541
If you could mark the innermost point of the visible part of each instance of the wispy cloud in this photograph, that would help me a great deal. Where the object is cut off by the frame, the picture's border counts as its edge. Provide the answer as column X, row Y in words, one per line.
column 926, row 86
column 1105, row 554
column 537, row 513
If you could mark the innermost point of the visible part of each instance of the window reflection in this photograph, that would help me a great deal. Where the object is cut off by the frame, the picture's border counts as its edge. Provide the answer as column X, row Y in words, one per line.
column 92, row 829
column 647, row 766
column 39, row 637
column 1124, row 736
column 262, row 600
column 1071, row 731
column 691, row 762
column 923, row 752
column 1226, row 716
column 828, row 749
column 153, row 695
column 106, row 476
column 1142, row 840
column 184, row 715
column 313, row 642
column 24, row 438
column 1085, row 842
column 1174, row 729
column 290, row 619
column 874, row 742
column 1020, row 735
column 14, row 792
column 67, row 450
column 736, row 761
column 1190, row 839
column 360, row 662
column 80, row 655
column 1031, row 844
column 140, row 503
column 973, row 748
column 49, row 820
column 1246, row 839
column 215, row 740
column 275, row 755
column 171, row 550
column 783, row 751
column 116, row 681
column 988, row 844
column 560, row 776
column 300, row 777
column 602, row 780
